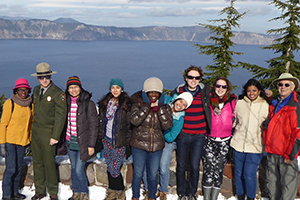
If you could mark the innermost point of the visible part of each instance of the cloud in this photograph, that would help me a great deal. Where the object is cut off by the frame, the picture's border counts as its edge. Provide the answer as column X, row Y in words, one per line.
column 177, row 12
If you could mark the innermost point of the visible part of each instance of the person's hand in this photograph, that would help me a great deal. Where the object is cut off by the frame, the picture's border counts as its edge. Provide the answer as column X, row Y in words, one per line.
column 287, row 161
column 53, row 141
column 91, row 151
column 269, row 93
column 3, row 150
column 27, row 150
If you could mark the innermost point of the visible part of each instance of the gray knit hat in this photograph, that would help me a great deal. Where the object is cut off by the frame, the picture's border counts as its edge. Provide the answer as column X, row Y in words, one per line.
column 153, row 84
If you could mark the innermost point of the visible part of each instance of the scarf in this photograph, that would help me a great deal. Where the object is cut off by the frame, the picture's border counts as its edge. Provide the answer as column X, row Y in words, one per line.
column 111, row 109
column 21, row 102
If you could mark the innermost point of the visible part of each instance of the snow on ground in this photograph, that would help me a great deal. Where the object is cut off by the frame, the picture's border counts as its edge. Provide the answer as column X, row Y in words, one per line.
column 96, row 193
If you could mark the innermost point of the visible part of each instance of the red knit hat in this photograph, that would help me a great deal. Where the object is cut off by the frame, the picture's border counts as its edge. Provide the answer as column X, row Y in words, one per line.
column 22, row 83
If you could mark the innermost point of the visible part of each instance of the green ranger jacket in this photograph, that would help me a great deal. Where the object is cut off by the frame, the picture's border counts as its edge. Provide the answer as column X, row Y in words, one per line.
column 50, row 112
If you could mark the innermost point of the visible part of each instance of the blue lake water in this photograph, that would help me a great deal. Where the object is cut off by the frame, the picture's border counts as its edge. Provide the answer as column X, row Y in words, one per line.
column 97, row 62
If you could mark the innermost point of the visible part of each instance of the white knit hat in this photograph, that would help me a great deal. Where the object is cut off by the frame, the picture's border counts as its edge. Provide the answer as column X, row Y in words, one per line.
column 153, row 84
column 186, row 96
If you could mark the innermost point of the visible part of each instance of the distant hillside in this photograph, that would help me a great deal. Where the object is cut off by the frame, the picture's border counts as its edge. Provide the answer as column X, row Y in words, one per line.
column 69, row 29
column 66, row 20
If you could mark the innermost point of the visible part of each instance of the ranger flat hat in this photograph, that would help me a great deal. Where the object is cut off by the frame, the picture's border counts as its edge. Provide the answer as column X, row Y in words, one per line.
column 43, row 69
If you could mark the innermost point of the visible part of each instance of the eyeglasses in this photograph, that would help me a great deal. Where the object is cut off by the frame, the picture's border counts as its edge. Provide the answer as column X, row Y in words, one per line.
column 223, row 86
column 21, row 90
column 193, row 77
column 286, row 85
column 42, row 77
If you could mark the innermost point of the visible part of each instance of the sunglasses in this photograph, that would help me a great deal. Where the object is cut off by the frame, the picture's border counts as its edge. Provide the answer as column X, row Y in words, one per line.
column 286, row 85
column 223, row 86
column 193, row 77
column 21, row 90
column 42, row 77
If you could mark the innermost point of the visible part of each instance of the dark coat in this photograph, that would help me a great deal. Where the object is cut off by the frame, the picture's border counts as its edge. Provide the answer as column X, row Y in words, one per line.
column 121, row 124
column 87, row 123
column 148, row 126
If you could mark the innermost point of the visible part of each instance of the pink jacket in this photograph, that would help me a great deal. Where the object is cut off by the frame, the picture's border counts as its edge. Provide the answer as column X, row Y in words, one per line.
column 221, row 125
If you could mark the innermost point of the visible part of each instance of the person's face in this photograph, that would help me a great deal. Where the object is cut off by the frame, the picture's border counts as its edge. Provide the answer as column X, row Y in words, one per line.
column 116, row 91
column 74, row 90
column 285, row 88
column 44, row 80
column 153, row 96
column 252, row 92
column 22, row 92
column 192, row 79
column 180, row 105
column 221, row 88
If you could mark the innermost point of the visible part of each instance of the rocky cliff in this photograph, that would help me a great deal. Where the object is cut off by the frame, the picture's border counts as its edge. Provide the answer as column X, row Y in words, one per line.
column 54, row 30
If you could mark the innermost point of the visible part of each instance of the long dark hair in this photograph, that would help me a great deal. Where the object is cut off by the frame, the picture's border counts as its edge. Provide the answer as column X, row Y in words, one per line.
column 257, row 84
column 124, row 101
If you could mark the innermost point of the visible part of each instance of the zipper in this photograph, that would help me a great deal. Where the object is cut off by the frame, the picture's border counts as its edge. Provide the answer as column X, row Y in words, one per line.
column 152, row 132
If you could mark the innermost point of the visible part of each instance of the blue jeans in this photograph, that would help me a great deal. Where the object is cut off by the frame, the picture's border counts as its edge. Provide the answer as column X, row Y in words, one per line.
column 78, row 177
column 245, row 169
column 142, row 158
column 12, row 173
column 164, row 167
column 190, row 146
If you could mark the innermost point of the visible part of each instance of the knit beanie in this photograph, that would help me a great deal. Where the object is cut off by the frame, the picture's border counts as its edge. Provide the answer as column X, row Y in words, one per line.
column 73, row 80
column 153, row 84
column 116, row 81
column 186, row 96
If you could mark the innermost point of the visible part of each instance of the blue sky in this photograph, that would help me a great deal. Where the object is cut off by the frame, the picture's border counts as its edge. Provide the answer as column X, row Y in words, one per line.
column 137, row 13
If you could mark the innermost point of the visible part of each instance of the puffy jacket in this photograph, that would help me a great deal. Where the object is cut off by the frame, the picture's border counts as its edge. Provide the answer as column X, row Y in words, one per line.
column 121, row 125
column 282, row 132
column 15, row 128
column 148, row 126
column 221, row 125
column 87, row 123
column 248, row 132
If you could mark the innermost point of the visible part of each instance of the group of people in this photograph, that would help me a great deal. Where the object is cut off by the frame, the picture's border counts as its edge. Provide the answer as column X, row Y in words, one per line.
column 201, row 122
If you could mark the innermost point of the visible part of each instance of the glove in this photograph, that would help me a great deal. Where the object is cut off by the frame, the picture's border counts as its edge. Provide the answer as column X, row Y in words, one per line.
column 3, row 150
column 27, row 150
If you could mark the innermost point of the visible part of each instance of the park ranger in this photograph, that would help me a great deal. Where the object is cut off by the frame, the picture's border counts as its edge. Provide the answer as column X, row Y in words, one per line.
column 50, row 112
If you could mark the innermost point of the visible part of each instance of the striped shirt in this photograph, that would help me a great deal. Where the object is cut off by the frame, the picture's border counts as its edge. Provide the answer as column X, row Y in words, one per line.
column 194, row 119
column 72, row 125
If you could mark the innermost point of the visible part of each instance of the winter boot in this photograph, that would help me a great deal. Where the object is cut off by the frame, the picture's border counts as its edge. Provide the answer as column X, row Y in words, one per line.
column 206, row 193
column 241, row 197
column 110, row 194
column 120, row 194
column 215, row 193
column 162, row 195
column 250, row 198
column 84, row 196
column 146, row 194
column 75, row 196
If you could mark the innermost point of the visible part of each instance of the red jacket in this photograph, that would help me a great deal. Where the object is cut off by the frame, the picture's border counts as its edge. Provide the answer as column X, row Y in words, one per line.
column 282, row 133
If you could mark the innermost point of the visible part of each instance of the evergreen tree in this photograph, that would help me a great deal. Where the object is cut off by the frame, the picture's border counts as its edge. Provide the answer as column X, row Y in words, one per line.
column 221, row 49
column 2, row 99
column 285, row 45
